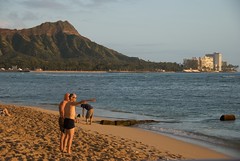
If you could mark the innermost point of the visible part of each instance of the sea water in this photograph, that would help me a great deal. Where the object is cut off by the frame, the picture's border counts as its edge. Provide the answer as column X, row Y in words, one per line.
column 188, row 105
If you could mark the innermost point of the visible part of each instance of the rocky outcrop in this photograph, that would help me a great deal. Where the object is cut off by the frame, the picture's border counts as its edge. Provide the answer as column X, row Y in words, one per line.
column 228, row 117
column 125, row 122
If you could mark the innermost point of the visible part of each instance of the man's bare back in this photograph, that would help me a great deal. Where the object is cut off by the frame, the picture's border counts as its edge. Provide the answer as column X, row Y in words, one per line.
column 62, row 105
column 61, row 119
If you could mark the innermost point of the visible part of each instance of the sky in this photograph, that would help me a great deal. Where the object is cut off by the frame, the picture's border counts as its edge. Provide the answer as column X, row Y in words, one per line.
column 154, row 30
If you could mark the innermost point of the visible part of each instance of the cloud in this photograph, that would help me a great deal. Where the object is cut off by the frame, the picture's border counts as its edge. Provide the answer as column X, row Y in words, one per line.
column 30, row 16
column 43, row 4
column 4, row 24
column 149, row 44
column 15, row 21
column 13, row 15
column 94, row 3
column 103, row 2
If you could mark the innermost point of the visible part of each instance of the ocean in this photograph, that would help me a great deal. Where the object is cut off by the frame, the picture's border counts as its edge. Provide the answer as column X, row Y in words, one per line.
column 188, row 106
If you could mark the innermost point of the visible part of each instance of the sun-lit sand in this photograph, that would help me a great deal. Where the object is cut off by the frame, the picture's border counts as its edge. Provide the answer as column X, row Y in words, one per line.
column 33, row 134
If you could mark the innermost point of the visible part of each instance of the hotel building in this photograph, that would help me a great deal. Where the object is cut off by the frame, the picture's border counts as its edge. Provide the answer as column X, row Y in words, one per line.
column 208, row 63
column 217, row 61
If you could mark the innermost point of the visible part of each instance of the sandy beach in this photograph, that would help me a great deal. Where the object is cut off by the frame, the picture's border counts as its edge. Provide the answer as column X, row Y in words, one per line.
column 32, row 133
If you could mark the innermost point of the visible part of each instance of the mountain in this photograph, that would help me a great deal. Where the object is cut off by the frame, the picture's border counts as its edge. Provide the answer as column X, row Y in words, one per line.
column 59, row 46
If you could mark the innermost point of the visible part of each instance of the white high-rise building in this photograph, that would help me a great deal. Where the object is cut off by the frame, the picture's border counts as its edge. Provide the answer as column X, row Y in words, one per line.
column 208, row 63
column 217, row 61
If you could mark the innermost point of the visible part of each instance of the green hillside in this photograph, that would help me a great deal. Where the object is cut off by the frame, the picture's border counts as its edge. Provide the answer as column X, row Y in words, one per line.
column 58, row 46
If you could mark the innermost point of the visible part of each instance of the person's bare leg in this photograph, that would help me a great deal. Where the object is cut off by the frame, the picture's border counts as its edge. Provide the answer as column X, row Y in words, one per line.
column 91, row 116
column 62, row 141
column 65, row 141
column 70, row 139
column 91, row 120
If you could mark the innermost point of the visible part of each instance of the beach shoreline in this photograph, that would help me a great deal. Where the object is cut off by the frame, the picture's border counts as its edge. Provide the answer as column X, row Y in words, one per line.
column 23, row 139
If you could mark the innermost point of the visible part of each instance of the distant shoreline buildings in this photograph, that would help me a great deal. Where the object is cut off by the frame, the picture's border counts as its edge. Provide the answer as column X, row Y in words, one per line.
column 208, row 63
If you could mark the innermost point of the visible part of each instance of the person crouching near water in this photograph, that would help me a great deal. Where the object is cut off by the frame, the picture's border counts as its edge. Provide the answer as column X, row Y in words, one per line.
column 69, row 120
column 89, row 114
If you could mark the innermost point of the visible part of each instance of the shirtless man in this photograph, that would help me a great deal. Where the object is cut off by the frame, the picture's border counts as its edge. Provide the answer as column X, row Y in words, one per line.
column 61, row 119
column 69, row 120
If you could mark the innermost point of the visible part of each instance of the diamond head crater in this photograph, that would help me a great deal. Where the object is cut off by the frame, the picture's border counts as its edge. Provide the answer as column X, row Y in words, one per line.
column 59, row 46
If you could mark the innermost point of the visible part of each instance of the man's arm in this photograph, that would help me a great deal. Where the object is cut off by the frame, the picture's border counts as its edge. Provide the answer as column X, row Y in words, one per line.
column 83, row 101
